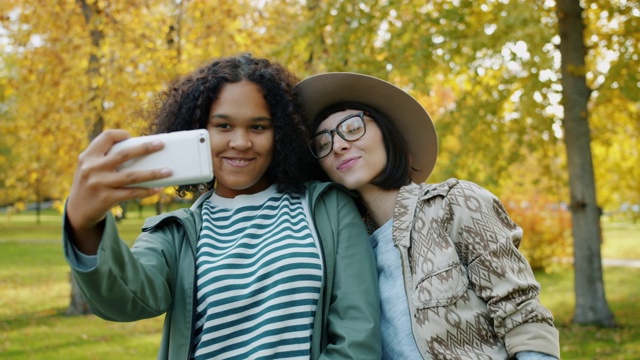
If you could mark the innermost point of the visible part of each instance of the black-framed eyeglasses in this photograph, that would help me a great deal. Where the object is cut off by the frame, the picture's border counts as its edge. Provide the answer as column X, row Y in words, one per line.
column 351, row 128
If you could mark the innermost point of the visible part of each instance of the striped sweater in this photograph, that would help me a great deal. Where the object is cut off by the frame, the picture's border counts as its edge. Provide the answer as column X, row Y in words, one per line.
column 258, row 273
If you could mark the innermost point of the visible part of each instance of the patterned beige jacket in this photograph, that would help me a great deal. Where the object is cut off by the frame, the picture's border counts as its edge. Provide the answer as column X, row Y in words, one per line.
column 471, row 293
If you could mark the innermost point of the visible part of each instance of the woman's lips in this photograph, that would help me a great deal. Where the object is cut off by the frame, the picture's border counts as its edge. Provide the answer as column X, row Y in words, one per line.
column 347, row 164
column 238, row 162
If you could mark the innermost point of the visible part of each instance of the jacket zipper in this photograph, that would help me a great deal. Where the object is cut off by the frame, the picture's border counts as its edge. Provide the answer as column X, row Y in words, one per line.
column 323, row 339
column 324, row 342
column 193, row 292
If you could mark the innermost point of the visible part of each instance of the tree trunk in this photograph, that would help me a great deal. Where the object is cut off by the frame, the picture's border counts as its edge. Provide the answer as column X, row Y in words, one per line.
column 78, row 305
column 38, row 210
column 591, row 304
column 95, row 122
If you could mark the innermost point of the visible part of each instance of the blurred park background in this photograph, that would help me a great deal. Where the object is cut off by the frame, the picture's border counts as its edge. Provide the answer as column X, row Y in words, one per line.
column 488, row 71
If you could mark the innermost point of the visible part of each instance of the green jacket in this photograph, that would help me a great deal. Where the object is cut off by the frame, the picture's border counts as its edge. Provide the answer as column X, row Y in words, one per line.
column 157, row 276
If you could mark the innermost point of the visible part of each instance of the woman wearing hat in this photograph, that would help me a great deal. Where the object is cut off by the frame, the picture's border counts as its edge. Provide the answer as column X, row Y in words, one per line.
column 455, row 286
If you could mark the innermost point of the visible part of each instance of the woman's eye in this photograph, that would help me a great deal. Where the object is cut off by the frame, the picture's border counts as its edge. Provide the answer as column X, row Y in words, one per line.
column 223, row 126
column 323, row 144
column 353, row 130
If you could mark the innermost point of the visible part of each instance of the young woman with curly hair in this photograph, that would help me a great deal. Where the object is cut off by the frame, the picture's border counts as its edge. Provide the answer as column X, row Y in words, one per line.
column 263, row 265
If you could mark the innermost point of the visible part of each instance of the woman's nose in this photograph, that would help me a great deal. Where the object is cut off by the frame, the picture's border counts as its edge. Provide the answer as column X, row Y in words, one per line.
column 340, row 144
column 240, row 140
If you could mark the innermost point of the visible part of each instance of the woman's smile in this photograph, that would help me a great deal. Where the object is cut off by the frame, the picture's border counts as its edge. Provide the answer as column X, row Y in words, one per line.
column 348, row 163
column 239, row 162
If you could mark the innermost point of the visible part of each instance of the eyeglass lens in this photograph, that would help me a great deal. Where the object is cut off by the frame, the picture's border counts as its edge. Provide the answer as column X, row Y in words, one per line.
column 350, row 129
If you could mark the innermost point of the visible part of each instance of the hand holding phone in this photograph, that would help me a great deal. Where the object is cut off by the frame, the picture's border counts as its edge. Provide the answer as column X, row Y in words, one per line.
column 186, row 153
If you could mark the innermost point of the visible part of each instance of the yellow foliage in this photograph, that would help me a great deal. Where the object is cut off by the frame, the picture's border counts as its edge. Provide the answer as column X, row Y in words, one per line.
column 547, row 231
column 150, row 200
column 117, row 211
column 58, row 206
column 60, row 80
column 19, row 206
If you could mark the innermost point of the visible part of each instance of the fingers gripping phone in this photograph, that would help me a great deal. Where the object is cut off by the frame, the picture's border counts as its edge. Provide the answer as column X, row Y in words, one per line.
column 186, row 153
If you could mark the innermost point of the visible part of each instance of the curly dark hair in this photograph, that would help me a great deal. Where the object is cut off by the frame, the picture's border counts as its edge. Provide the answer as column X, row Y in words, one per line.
column 186, row 103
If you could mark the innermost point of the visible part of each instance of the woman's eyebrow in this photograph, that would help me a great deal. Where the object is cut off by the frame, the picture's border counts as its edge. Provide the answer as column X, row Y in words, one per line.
column 228, row 117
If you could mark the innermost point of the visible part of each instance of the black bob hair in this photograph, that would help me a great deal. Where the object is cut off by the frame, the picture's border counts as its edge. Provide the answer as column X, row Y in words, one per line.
column 186, row 103
column 397, row 171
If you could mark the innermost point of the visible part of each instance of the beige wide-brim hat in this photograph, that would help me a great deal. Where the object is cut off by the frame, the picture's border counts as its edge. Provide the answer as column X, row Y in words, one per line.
column 323, row 90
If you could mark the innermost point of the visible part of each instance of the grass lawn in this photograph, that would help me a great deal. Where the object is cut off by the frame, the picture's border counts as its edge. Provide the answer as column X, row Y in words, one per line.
column 589, row 342
column 34, row 288
column 620, row 240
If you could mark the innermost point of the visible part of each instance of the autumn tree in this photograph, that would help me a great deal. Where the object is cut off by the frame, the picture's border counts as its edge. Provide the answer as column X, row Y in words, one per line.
column 612, row 61
column 490, row 74
column 38, row 141
column 82, row 66
column 6, row 125
column 98, row 68
column 591, row 305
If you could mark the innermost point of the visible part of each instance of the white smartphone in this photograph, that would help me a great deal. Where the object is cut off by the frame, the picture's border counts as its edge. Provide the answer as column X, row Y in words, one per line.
column 186, row 153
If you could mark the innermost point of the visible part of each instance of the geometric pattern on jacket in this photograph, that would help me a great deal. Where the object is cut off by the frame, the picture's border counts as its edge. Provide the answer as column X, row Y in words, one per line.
column 471, row 293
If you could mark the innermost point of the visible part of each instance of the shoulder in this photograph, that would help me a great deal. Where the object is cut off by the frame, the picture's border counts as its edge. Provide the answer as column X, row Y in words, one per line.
column 321, row 189
column 155, row 221
column 182, row 216
column 472, row 192
column 451, row 194
column 466, row 199
column 455, row 188
column 331, row 202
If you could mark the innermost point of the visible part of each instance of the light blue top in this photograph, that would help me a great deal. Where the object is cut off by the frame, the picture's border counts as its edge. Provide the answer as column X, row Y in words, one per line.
column 395, row 321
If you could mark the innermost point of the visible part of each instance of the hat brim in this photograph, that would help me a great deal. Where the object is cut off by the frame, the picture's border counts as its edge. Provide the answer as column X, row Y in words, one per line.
column 323, row 90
